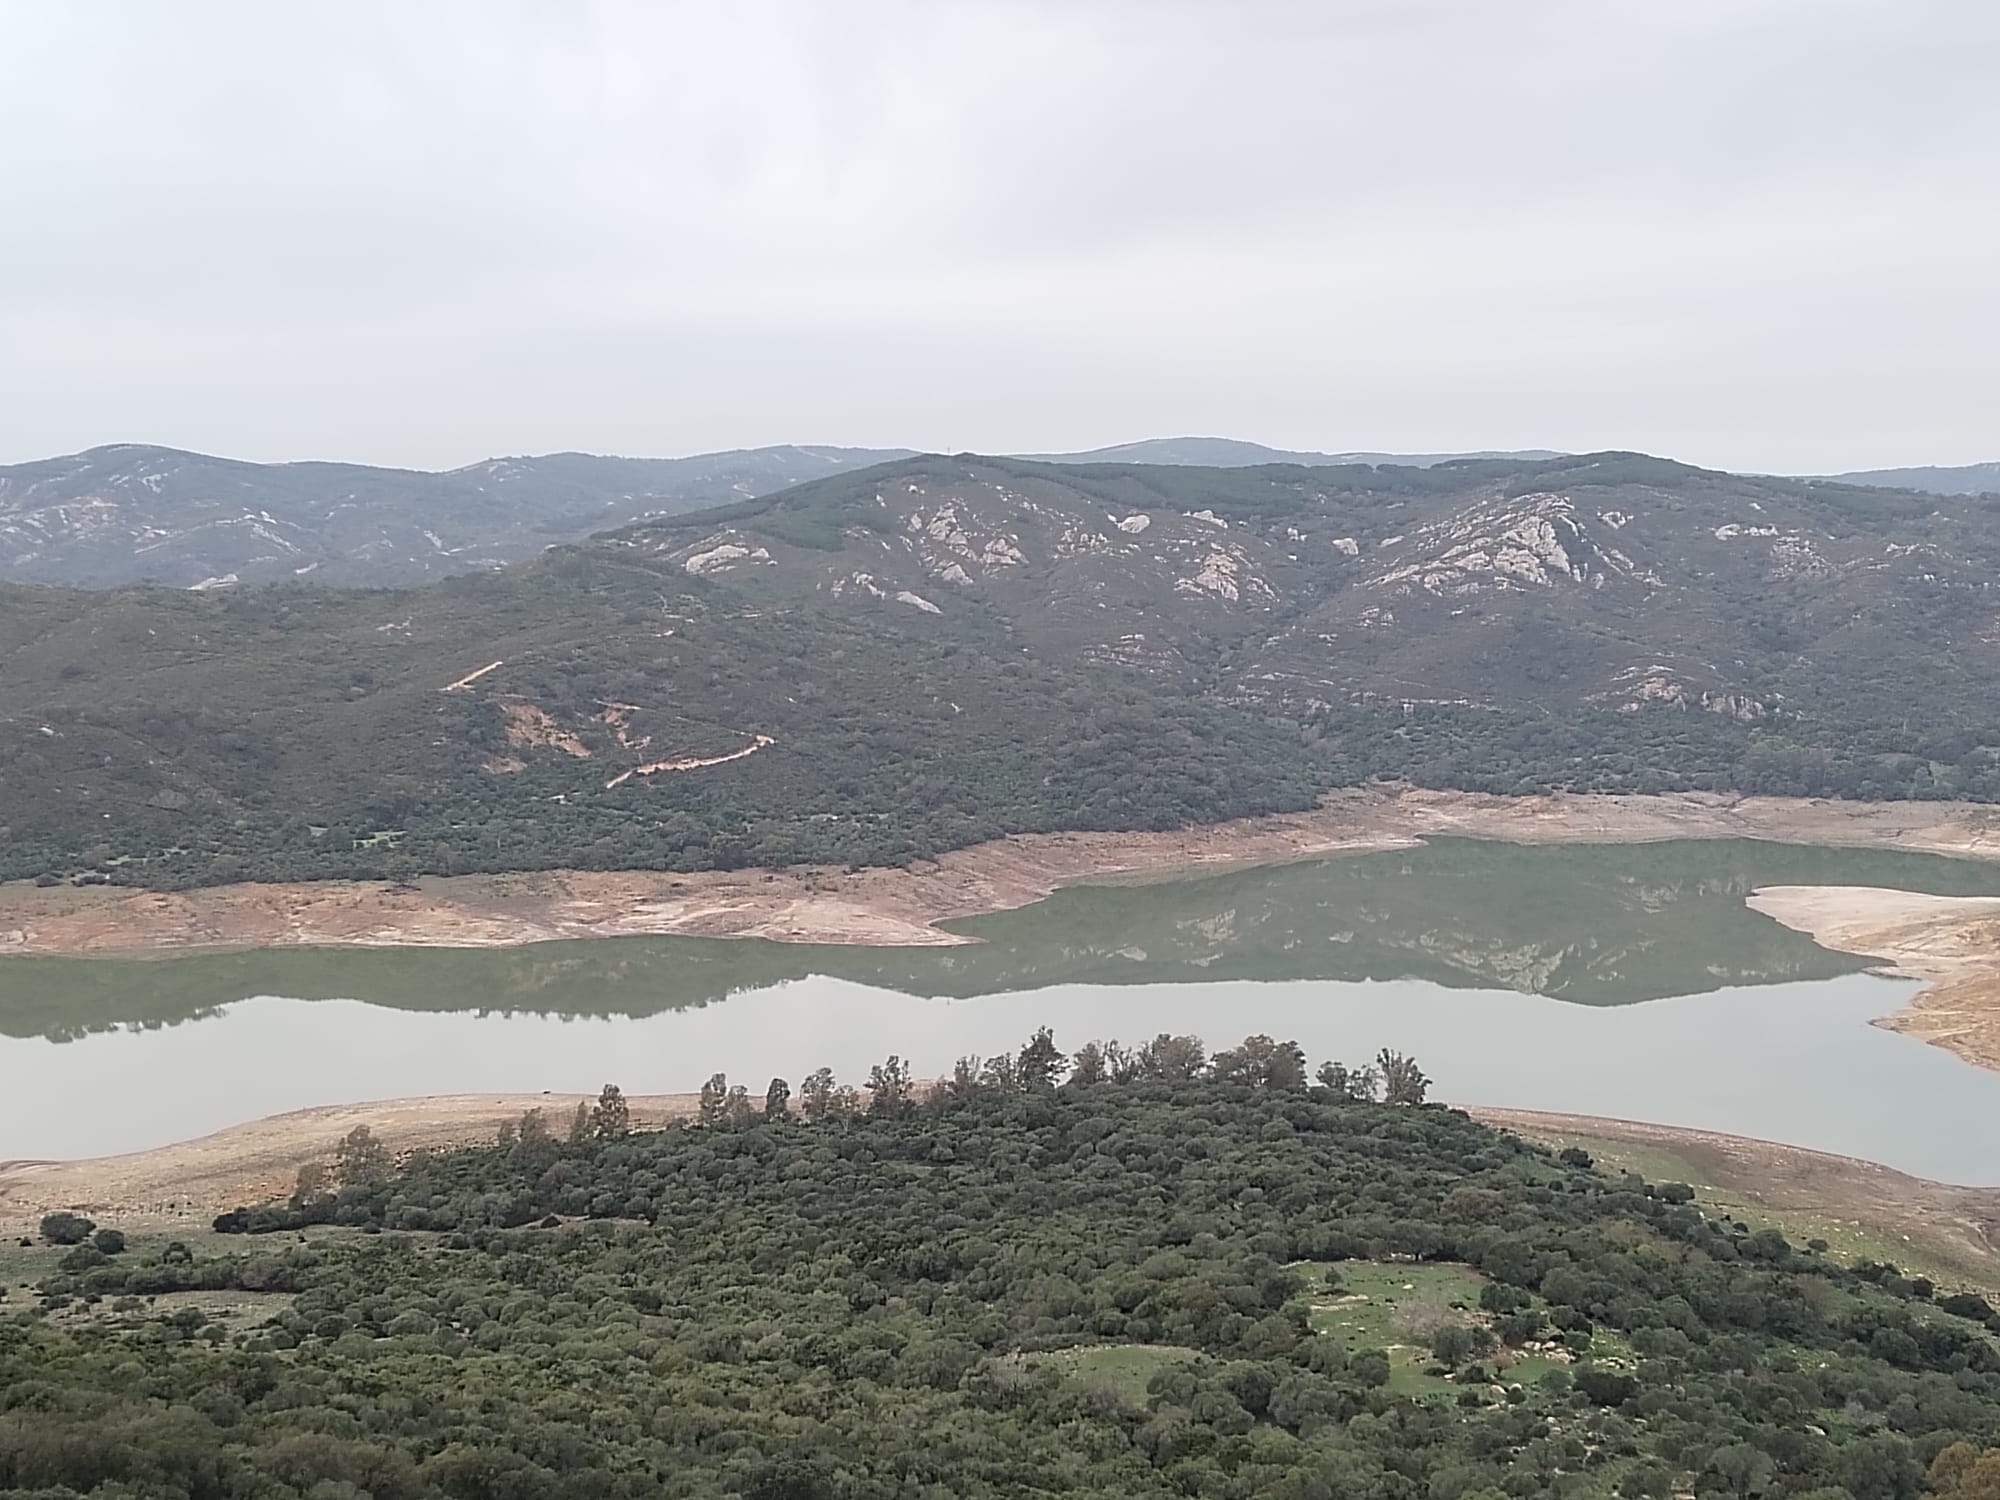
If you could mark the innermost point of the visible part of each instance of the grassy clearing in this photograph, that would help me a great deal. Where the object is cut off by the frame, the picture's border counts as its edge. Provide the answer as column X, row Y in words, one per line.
column 1122, row 1368
column 23, row 1266
column 235, row 1311
column 1395, row 1306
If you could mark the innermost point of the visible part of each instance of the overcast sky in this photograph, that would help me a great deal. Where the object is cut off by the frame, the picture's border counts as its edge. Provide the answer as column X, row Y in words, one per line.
column 1750, row 233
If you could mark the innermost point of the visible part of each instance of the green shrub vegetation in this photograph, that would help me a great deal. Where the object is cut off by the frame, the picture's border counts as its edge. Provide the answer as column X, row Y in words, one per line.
column 1168, row 1275
column 1703, row 632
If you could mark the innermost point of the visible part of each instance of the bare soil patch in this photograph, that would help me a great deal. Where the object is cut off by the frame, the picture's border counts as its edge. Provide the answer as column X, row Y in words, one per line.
column 530, row 726
column 1952, row 942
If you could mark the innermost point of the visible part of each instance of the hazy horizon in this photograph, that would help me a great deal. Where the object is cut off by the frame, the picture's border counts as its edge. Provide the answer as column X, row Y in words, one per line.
column 1032, row 454
column 1748, row 234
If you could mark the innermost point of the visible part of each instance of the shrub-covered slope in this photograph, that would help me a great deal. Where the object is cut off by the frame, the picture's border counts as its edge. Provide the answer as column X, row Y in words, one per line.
column 1157, row 1279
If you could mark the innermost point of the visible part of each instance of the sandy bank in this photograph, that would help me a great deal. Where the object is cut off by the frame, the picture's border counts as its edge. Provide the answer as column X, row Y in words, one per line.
column 888, row 907
column 1953, row 942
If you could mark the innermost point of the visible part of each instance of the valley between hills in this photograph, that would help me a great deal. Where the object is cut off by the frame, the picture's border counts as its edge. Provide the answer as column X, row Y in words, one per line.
column 929, row 688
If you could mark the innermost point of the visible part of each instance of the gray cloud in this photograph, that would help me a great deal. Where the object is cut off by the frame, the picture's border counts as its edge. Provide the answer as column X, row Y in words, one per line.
column 1757, row 233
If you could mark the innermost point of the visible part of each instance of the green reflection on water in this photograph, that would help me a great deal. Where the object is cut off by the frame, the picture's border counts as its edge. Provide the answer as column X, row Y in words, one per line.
column 1592, row 924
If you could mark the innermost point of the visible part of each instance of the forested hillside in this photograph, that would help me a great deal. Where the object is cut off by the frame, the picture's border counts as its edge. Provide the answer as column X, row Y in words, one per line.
column 877, row 666
column 1168, row 1275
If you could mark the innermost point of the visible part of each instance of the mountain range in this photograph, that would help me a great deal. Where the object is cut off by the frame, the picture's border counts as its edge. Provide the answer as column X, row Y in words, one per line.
column 889, row 661
column 1234, row 453
column 129, row 513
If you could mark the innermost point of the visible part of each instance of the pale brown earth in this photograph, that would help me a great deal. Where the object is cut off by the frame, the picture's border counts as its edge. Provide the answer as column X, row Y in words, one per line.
column 189, row 1183
column 893, row 906
column 691, row 762
column 1862, row 1207
column 1952, row 942
column 529, row 727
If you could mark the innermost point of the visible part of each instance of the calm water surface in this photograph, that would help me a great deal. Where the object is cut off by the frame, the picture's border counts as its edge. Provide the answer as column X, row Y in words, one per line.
column 1621, row 981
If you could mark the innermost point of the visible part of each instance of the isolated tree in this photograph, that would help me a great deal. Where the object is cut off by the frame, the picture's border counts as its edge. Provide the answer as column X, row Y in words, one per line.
column 1173, row 1058
column 1370, row 1367
column 612, row 1117
column 964, row 1082
column 1964, row 1472
column 777, row 1100
column 1284, row 1066
column 109, row 1241
column 1451, row 1344
column 312, row 1186
column 361, row 1160
column 579, row 1123
column 737, row 1111
column 1264, row 1062
column 1351, row 1085
column 66, row 1228
column 713, row 1100
column 1041, row 1062
column 889, row 1089
column 1088, row 1066
column 532, row 1133
column 1403, row 1082
column 1001, row 1075
column 816, row 1096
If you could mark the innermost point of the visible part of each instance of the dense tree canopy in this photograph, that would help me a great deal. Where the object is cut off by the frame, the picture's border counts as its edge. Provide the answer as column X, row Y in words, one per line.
column 1144, row 1280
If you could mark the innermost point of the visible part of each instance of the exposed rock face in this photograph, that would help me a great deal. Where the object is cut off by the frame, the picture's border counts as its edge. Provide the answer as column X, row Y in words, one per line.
column 128, row 514
column 1528, row 542
column 722, row 556
column 1603, row 581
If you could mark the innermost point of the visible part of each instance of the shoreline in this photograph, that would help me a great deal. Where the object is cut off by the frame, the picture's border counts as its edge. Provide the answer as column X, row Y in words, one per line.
column 179, row 1188
column 1862, row 1208
column 891, row 906
column 1949, row 943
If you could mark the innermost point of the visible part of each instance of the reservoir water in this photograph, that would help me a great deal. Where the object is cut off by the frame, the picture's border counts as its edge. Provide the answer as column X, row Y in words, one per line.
column 1627, row 981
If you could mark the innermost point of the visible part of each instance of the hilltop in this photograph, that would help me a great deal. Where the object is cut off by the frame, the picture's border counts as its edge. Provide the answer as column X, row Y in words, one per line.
column 1141, row 1271
column 130, row 513
column 1607, row 581
column 879, row 665
column 1967, row 479
column 1234, row 453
